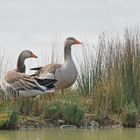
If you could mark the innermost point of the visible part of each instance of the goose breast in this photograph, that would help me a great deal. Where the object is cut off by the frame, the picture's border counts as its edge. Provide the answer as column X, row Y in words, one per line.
column 66, row 75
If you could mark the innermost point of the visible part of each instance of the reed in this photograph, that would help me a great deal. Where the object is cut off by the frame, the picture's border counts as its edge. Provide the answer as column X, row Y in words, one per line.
column 115, row 83
column 89, row 69
column 130, row 116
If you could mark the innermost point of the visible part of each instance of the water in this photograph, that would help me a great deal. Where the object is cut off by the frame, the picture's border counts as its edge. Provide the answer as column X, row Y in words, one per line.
column 56, row 134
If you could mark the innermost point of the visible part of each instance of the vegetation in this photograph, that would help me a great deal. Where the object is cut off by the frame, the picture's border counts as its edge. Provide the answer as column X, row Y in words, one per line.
column 130, row 116
column 53, row 110
column 108, row 84
column 112, row 78
column 9, row 120
column 73, row 114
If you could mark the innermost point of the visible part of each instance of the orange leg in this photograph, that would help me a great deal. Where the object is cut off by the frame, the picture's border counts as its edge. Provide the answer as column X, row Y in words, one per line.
column 52, row 95
column 13, row 100
column 62, row 91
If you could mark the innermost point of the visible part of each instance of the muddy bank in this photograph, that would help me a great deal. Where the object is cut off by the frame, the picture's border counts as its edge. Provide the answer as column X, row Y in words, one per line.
column 88, row 123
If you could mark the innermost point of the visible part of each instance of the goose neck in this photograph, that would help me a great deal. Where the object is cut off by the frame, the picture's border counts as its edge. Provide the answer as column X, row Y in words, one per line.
column 67, row 53
column 20, row 64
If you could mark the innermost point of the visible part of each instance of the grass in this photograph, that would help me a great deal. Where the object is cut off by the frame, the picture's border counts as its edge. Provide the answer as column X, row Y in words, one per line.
column 73, row 114
column 130, row 116
column 108, row 83
column 9, row 120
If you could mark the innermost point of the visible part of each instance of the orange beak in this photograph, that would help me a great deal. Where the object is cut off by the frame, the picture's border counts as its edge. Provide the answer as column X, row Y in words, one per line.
column 77, row 42
column 34, row 56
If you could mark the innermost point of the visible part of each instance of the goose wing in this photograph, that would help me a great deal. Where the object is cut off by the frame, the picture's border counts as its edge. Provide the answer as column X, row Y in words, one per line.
column 16, row 84
column 47, row 71
column 21, row 81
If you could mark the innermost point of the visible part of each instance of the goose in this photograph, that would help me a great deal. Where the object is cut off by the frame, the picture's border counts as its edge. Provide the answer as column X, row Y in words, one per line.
column 16, row 84
column 21, row 61
column 66, row 73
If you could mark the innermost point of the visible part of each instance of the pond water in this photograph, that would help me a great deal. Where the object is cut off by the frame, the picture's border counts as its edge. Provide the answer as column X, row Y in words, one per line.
column 56, row 134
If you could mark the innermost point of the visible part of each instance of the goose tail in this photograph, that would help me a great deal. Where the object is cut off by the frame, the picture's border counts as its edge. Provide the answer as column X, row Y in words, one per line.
column 37, row 68
column 48, row 83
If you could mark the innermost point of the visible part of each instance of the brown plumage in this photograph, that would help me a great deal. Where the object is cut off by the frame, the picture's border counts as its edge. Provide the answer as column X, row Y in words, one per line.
column 20, row 80
column 50, row 68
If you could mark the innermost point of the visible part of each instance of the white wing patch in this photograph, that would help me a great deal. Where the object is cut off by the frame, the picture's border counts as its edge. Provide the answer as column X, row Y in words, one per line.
column 48, row 75
column 32, row 93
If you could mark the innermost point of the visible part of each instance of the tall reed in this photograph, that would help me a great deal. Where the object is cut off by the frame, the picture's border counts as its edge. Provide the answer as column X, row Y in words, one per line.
column 113, row 76
column 89, row 69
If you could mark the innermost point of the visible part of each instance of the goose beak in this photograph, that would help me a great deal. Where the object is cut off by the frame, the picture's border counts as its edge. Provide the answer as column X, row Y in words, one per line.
column 77, row 42
column 34, row 56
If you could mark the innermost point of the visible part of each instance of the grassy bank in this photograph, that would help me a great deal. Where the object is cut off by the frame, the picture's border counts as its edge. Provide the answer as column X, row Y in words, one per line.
column 108, row 85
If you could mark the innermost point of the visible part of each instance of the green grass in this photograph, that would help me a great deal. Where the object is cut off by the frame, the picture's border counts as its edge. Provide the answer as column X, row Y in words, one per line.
column 73, row 114
column 130, row 116
column 9, row 120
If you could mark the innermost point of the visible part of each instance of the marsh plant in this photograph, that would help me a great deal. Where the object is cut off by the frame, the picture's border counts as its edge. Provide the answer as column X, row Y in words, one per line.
column 130, row 116
column 9, row 120
column 112, row 78
column 73, row 114
column 53, row 110
column 89, row 69
column 31, row 107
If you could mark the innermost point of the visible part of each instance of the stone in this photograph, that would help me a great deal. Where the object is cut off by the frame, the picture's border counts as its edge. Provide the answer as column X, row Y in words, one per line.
column 94, row 124
column 68, row 127
column 61, row 122
column 91, row 124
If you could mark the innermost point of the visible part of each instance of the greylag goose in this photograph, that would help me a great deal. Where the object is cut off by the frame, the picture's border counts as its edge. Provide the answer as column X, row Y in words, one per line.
column 16, row 84
column 21, row 61
column 66, row 73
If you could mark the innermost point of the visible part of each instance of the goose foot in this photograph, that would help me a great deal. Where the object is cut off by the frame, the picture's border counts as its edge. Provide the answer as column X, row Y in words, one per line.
column 62, row 91
column 52, row 95
column 13, row 100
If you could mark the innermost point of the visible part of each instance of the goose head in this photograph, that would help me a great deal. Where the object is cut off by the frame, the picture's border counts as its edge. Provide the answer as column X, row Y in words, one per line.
column 27, row 54
column 71, row 41
column 21, row 59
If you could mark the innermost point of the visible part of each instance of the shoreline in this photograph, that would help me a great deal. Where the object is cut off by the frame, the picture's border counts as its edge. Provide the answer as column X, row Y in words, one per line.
column 40, row 122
